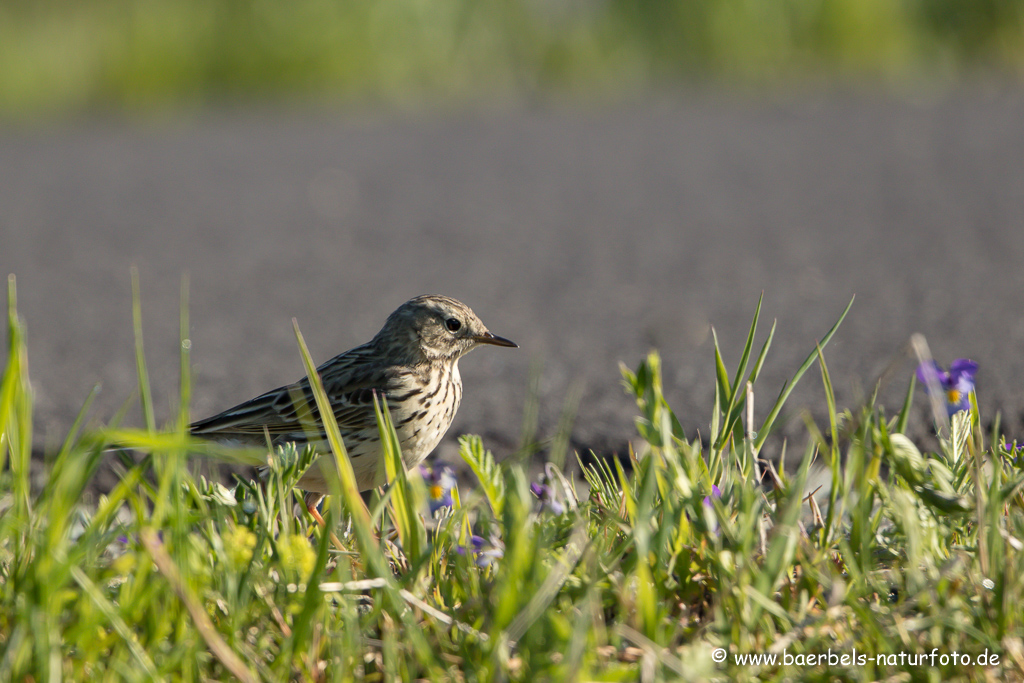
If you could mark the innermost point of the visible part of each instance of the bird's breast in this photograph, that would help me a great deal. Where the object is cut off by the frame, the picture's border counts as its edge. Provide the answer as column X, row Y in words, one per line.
column 422, row 406
column 423, row 418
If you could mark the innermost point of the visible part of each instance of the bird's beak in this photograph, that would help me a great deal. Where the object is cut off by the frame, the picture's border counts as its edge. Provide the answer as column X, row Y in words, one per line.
column 488, row 338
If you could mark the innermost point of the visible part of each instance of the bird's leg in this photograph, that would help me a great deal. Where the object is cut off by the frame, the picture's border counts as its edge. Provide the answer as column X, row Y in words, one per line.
column 311, row 500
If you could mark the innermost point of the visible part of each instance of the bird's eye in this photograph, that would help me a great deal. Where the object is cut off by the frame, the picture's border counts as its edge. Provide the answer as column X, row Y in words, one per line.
column 452, row 324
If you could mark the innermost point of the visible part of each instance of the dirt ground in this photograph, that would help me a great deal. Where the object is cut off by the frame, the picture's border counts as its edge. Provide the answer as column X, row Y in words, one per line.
column 587, row 235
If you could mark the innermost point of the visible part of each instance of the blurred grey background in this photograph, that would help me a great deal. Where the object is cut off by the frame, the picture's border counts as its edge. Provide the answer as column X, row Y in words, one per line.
column 594, row 179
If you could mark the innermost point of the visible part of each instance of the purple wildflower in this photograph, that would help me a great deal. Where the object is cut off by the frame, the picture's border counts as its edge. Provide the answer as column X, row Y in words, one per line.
column 709, row 507
column 716, row 492
column 547, row 497
column 486, row 553
column 440, row 483
column 1014, row 450
column 957, row 384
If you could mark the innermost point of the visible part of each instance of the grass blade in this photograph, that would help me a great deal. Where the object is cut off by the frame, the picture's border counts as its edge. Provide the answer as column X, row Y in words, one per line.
column 830, row 401
column 343, row 466
column 404, row 510
column 185, row 342
column 487, row 471
column 145, row 393
column 787, row 389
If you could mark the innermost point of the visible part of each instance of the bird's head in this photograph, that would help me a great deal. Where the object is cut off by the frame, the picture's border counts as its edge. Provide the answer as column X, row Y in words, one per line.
column 436, row 328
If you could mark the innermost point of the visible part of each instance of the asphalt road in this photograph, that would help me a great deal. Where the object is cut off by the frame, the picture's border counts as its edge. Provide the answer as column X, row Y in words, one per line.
column 588, row 235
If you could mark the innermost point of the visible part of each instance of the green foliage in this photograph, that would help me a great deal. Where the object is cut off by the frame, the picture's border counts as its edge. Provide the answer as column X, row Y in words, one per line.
column 488, row 474
column 675, row 552
column 58, row 56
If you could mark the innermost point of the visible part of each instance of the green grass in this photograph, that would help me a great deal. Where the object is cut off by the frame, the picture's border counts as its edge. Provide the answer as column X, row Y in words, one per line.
column 642, row 576
column 59, row 57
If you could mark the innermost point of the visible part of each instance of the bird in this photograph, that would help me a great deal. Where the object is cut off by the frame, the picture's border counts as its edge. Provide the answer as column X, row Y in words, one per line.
column 413, row 362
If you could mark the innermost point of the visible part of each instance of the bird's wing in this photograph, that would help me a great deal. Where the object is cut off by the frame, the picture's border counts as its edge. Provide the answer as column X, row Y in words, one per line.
column 350, row 381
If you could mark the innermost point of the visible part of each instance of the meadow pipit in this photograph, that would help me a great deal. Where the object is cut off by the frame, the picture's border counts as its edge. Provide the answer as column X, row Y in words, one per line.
column 413, row 362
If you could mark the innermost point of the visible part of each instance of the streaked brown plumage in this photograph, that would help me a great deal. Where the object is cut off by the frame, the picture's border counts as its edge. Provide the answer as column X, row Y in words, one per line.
column 413, row 361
